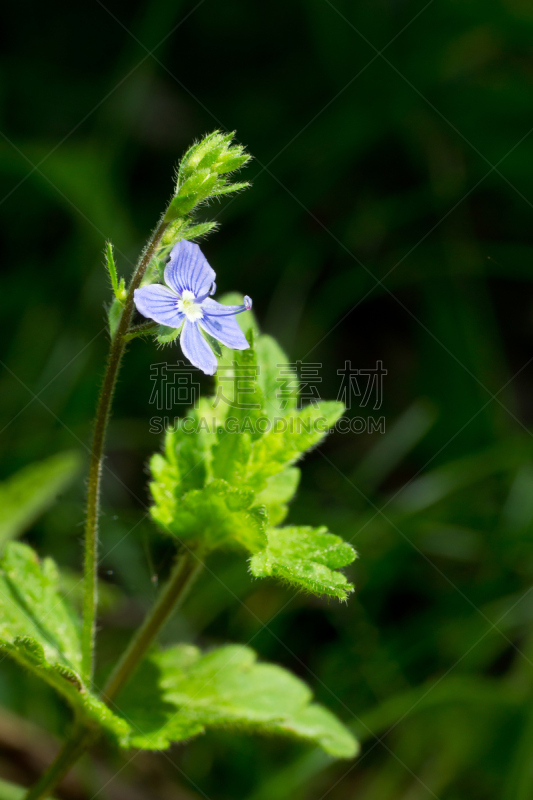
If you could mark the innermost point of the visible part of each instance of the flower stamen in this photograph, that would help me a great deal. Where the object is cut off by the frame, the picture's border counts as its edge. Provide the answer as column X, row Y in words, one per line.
column 189, row 306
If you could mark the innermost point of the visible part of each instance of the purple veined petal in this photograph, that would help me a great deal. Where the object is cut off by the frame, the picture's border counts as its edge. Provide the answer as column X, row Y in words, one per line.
column 226, row 330
column 196, row 349
column 210, row 292
column 213, row 309
column 160, row 304
column 188, row 269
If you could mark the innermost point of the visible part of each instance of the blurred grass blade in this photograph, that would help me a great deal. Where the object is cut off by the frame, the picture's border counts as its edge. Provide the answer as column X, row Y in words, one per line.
column 407, row 431
column 435, row 485
column 28, row 493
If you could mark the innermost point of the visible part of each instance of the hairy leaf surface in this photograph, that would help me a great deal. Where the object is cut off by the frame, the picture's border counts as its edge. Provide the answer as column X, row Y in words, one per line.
column 306, row 558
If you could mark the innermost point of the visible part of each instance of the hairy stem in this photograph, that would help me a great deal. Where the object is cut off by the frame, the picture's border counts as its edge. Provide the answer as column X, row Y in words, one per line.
column 95, row 469
column 181, row 579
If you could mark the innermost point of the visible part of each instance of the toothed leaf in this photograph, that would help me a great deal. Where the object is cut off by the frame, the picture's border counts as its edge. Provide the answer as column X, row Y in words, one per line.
column 180, row 692
column 306, row 558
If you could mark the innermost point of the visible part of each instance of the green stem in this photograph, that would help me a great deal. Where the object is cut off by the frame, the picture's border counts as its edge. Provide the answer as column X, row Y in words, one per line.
column 95, row 469
column 181, row 579
column 72, row 750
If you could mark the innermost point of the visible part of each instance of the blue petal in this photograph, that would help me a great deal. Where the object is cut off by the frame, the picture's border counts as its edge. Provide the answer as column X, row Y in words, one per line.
column 188, row 269
column 225, row 329
column 196, row 349
column 158, row 303
column 214, row 309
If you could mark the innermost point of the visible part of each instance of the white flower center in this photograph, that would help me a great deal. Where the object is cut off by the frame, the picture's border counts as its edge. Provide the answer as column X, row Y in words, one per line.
column 188, row 306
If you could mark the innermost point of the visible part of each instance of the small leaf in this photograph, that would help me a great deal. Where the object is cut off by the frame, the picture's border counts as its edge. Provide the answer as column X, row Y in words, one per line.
column 28, row 493
column 211, row 157
column 306, row 558
column 114, row 314
column 214, row 344
column 167, row 335
column 201, row 229
column 110, row 261
column 179, row 206
column 195, row 154
column 231, row 164
column 178, row 693
column 230, row 187
column 145, row 329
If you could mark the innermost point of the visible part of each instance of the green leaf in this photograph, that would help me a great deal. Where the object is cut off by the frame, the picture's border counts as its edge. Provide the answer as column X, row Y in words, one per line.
column 231, row 164
column 167, row 335
column 278, row 382
column 288, row 439
column 110, row 261
column 218, row 515
column 215, row 345
column 188, row 450
column 279, row 490
column 214, row 153
column 179, row 206
column 178, row 693
column 199, row 184
column 230, row 187
column 114, row 314
column 27, row 494
column 238, row 388
column 192, row 486
column 230, row 456
column 40, row 631
column 306, row 558
column 199, row 152
column 145, row 329
column 201, row 229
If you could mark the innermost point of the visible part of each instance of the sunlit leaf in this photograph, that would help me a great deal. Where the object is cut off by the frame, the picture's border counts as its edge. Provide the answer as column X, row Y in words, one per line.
column 306, row 558
column 180, row 693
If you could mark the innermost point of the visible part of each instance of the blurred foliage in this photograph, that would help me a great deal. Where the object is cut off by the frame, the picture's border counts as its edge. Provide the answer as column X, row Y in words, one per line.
column 389, row 219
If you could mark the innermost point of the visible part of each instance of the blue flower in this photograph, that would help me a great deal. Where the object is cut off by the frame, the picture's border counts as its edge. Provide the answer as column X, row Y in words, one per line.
column 185, row 300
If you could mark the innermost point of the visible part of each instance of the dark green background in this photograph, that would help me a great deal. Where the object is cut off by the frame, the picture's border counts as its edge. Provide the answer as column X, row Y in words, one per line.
column 390, row 218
